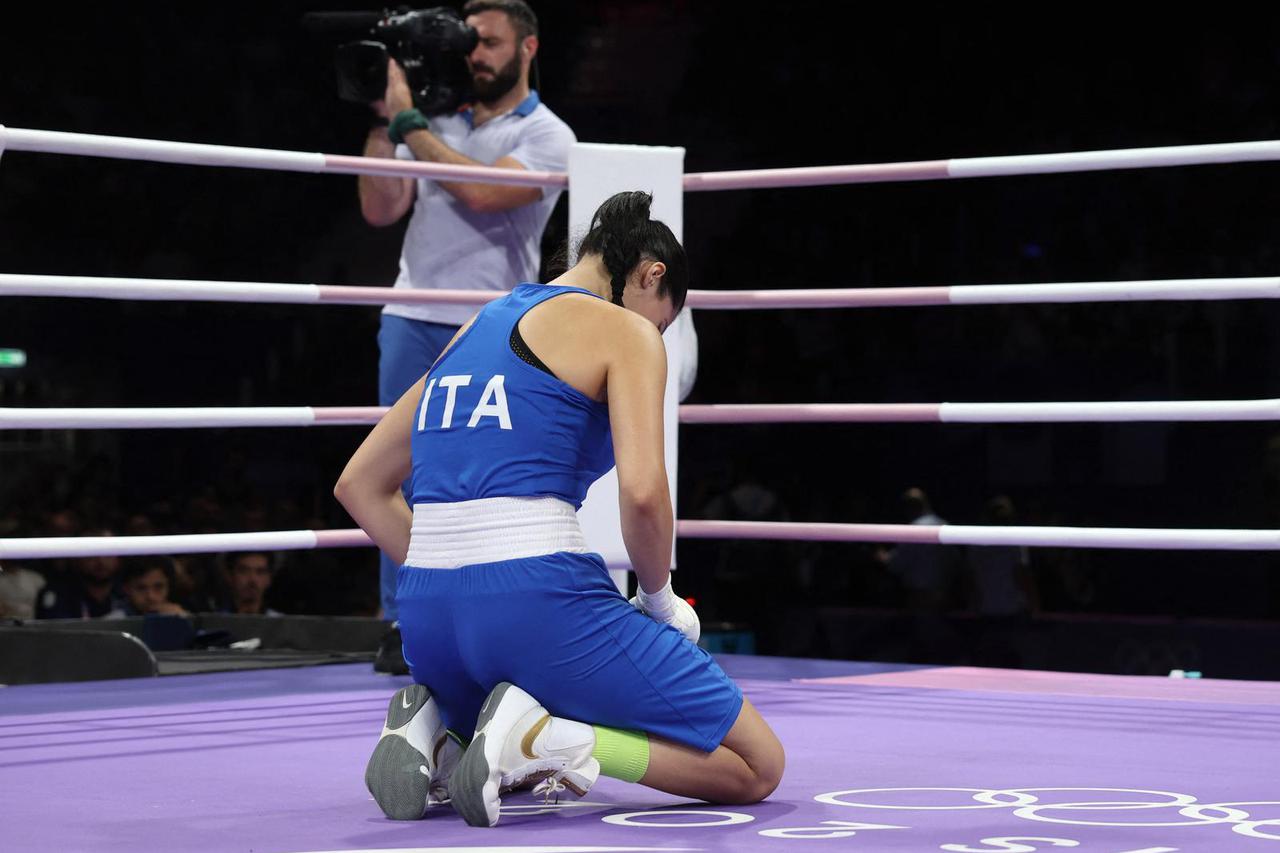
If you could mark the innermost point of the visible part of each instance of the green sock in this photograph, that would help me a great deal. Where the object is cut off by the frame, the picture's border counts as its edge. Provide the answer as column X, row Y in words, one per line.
column 457, row 738
column 622, row 754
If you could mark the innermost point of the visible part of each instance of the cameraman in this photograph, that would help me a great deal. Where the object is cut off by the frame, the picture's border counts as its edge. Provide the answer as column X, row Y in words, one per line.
column 462, row 235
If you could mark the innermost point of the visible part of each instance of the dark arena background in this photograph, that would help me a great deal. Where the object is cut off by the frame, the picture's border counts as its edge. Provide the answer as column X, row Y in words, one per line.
column 739, row 86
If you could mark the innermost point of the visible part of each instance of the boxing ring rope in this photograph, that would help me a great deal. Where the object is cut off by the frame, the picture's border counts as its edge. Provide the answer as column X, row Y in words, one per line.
column 199, row 154
column 985, row 167
column 193, row 290
column 74, row 547
column 1162, row 411
column 219, row 417
column 64, row 547
column 16, row 139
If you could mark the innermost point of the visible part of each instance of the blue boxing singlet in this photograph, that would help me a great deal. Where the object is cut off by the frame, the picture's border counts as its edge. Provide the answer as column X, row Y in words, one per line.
column 503, row 454
column 490, row 424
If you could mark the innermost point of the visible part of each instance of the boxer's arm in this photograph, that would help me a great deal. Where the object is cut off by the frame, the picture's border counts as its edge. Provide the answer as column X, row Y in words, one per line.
column 636, row 383
column 636, row 376
column 369, row 487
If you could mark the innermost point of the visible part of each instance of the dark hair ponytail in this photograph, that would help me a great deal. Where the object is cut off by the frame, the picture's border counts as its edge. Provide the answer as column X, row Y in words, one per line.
column 623, row 235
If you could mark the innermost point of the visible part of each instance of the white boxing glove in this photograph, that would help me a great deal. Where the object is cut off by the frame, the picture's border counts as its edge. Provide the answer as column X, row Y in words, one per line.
column 667, row 607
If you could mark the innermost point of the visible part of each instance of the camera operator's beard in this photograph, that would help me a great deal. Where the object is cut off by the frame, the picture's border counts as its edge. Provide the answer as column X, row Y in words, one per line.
column 504, row 80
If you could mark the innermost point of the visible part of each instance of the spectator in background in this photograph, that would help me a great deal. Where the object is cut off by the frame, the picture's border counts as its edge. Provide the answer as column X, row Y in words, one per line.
column 62, row 522
column 1002, row 592
column 923, row 570
column 18, row 585
column 147, row 583
column 739, row 567
column 248, row 575
column 999, row 576
column 183, row 586
column 89, row 592
column 18, row 590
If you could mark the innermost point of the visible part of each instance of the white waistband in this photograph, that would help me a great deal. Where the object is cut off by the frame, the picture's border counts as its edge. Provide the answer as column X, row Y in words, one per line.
column 487, row 530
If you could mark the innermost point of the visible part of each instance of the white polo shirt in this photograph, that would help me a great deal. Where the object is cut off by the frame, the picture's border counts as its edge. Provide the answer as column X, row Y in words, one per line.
column 448, row 247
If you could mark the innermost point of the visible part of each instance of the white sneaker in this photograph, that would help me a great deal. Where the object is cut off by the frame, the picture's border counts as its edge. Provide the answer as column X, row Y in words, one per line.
column 517, row 741
column 410, row 767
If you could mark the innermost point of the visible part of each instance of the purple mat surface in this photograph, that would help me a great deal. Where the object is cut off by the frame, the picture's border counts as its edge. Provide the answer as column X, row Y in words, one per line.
column 273, row 761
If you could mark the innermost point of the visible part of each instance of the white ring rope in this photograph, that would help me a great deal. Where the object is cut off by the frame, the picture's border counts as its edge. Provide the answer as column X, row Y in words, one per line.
column 1175, row 411
column 35, row 548
column 192, row 290
column 194, row 154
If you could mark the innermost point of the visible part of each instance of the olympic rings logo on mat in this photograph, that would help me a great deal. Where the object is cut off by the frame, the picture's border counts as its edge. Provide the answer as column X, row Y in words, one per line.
column 1029, row 804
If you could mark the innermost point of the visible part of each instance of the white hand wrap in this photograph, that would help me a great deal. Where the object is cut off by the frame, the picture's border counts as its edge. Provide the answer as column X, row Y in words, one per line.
column 667, row 607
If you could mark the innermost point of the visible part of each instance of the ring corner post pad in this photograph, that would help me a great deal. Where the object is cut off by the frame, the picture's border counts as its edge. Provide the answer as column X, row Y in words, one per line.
column 596, row 172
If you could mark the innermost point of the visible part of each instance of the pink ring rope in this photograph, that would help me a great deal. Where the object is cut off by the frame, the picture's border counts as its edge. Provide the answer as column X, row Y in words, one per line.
column 161, row 151
column 1173, row 411
column 183, row 290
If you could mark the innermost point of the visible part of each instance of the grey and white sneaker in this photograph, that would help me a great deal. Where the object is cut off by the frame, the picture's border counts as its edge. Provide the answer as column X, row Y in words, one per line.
column 518, row 742
column 410, row 767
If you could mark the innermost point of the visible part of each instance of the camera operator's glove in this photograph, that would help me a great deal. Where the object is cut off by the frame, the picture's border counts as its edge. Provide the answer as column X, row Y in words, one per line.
column 667, row 607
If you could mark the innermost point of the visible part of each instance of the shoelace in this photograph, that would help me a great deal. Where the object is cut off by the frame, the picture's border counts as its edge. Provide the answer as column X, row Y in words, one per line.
column 549, row 787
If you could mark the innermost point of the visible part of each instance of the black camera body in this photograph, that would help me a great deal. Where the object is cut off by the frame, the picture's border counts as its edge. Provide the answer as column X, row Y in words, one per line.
column 431, row 45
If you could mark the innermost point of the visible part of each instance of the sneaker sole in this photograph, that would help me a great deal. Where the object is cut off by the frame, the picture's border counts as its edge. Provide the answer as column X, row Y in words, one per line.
column 472, row 773
column 394, row 774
